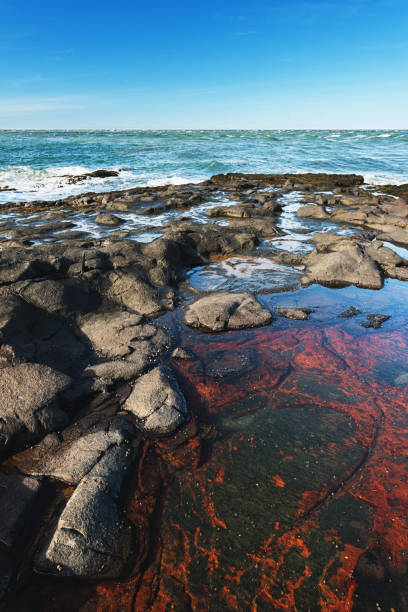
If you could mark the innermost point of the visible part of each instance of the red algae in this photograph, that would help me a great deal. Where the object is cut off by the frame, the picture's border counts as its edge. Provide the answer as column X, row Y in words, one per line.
column 286, row 491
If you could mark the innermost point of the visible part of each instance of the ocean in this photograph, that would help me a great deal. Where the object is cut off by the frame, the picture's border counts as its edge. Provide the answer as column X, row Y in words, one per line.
column 34, row 162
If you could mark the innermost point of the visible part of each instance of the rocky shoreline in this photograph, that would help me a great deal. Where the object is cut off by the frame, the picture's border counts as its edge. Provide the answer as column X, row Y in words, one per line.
column 86, row 348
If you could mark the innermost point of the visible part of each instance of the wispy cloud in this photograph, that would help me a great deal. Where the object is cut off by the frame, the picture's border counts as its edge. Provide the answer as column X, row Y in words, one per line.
column 23, row 106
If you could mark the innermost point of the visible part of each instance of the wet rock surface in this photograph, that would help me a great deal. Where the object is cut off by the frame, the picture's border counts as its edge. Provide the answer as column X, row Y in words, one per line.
column 149, row 483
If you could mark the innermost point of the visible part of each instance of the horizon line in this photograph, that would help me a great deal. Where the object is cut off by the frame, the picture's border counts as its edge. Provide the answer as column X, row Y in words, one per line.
column 198, row 129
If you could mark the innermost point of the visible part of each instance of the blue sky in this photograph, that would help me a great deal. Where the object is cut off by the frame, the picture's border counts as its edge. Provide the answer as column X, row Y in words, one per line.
column 226, row 64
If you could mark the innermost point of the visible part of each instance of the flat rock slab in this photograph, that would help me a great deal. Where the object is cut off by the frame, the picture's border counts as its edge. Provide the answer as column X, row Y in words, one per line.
column 223, row 311
column 29, row 404
column 157, row 402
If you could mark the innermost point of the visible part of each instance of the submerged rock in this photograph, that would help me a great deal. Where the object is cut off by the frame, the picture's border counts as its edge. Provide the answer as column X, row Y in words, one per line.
column 223, row 311
column 225, row 364
column 157, row 402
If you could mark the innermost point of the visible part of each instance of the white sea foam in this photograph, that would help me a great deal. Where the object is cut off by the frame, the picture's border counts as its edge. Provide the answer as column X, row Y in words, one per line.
column 53, row 183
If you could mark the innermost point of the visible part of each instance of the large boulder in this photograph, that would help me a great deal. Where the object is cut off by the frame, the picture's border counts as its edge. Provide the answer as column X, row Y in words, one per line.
column 29, row 404
column 157, row 402
column 221, row 311
column 347, row 266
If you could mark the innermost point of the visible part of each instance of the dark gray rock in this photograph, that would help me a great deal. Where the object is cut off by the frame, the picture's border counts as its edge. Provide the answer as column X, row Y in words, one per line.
column 157, row 402
column 375, row 320
column 37, row 336
column 350, row 312
column 121, row 334
column 73, row 179
column 131, row 289
column 300, row 314
column 107, row 219
column 59, row 298
column 18, row 494
column 29, row 406
column 223, row 311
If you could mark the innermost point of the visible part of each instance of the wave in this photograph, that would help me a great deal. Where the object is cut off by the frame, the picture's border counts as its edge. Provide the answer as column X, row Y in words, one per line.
column 35, row 162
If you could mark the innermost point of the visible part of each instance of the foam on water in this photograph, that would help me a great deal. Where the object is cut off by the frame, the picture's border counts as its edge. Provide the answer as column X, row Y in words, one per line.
column 34, row 162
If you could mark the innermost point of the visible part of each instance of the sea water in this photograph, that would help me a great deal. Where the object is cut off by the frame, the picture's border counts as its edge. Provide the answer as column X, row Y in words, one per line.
column 36, row 163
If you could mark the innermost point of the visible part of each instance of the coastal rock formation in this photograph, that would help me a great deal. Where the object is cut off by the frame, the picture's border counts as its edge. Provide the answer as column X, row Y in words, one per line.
column 91, row 538
column 157, row 402
column 74, row 458
column 106, row 219
column 29, row 404
column 122, row 334
column 223, row 311
column 347, row 266
column 97, row 421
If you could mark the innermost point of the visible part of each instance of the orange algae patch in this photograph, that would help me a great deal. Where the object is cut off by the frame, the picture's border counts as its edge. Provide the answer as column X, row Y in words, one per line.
column 278, row 481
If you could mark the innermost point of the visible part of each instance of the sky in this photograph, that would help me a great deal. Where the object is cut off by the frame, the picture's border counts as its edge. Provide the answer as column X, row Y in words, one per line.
column 293, row 64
